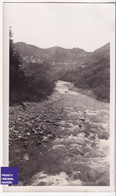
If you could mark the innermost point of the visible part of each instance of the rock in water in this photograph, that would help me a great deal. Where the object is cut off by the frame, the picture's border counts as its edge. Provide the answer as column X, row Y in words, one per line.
column 92, row 176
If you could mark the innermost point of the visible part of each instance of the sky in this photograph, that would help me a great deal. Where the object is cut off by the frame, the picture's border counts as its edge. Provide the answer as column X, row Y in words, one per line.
column 68, row 25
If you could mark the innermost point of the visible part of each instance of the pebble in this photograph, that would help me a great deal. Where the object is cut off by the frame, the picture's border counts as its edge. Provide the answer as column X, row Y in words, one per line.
column 92, row 176
column 23, row 139
column 28, row 133
column 82, row 119
column 15, row 131
column 45, row 139
column 41, row 132
column 26, row 157
column 20, row 183
column 51, row 136
column 27, row 123
column 19, row 136
column 38, row 143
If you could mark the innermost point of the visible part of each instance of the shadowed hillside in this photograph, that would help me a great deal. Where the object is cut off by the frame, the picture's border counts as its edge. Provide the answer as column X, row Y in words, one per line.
column 59, row 59
column 94, row 75
column 32, row 85
column 89, row 71
column 55, row 55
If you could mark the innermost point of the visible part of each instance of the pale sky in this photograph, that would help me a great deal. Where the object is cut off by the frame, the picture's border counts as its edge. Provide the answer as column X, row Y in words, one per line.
column 86, row 26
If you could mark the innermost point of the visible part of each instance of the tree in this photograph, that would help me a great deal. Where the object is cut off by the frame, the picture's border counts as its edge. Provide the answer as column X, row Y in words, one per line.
column 17, row 77
column 34, row 87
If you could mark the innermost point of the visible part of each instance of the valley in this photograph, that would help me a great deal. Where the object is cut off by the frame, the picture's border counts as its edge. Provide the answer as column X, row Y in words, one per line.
column 62, row 141
column 59, row 129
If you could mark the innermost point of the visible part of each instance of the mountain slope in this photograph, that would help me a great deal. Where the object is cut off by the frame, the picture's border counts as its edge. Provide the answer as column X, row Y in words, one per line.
column 95, row 76
column 53, row 55
column 87, row 70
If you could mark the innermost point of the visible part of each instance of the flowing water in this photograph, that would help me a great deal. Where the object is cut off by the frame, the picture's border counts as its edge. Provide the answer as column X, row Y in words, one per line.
column 79, row 154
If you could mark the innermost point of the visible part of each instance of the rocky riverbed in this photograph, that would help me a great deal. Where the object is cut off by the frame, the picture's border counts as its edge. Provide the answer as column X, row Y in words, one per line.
column 61, row 141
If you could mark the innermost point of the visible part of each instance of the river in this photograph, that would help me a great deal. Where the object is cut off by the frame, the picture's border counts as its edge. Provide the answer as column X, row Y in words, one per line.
column 71, row 131
column 80, row 153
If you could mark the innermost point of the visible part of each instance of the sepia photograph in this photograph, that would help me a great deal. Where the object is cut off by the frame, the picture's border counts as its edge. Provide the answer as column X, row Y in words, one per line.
column 58, row 73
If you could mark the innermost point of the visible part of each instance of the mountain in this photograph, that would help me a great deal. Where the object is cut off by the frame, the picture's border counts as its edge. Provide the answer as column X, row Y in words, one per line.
column 94, row 75
column 87, row 70
column 30, row 53
column 58, row 54
column 53, row 55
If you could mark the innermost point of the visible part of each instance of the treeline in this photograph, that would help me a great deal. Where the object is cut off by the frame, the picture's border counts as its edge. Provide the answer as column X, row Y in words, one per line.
column 23, row 87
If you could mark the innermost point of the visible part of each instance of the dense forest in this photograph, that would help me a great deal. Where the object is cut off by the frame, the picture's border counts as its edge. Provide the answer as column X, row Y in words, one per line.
column 32, row 87
column 94, row 75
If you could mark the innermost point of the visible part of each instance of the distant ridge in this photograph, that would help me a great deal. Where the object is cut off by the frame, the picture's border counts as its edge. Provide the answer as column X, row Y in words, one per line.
column 87, row 70
column 53, row 54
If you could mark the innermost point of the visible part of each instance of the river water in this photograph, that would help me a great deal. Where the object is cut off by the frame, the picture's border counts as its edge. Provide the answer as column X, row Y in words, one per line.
column 79, row 154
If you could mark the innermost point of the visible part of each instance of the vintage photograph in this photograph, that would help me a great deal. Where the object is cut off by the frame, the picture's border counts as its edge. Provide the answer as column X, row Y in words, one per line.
column 60, row 93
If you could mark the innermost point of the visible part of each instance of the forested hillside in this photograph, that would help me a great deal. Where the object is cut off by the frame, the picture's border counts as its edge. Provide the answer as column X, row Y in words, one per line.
column 53, row 55
column 32, row 87
column 89, row 71
column 94, row 75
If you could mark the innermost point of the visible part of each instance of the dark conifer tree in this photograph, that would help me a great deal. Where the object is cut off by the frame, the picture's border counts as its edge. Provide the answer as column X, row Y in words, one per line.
column 17, row 77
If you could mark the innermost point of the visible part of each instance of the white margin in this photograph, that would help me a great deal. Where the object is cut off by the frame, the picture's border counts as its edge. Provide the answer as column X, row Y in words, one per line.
column 1, row 101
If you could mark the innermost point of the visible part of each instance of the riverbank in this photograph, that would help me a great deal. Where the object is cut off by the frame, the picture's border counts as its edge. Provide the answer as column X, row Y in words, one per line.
column 61, row 141
column 87, row 92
